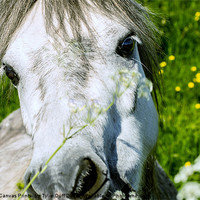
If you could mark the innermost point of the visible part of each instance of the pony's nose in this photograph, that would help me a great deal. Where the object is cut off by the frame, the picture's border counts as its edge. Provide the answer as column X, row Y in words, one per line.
column 87, row 180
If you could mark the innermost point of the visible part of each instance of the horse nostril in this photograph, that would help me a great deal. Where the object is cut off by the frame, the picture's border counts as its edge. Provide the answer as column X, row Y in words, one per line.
column 86, row 178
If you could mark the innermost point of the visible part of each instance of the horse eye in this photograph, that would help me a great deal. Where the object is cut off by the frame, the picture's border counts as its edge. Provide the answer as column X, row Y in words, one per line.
column 125, row 49
column 11, row 74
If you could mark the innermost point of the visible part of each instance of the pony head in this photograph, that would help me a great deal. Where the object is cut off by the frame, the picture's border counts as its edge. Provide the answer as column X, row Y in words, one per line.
column 77, row 69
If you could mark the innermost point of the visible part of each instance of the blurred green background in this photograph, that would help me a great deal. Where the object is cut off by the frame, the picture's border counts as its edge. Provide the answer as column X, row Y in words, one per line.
column 179, row 136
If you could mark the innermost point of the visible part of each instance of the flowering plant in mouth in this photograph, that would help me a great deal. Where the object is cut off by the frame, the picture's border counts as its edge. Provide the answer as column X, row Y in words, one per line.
column 124, row 79
column 190, row 189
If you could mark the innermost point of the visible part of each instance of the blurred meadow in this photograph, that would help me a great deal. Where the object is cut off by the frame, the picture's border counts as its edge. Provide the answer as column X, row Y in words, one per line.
column 179, row 137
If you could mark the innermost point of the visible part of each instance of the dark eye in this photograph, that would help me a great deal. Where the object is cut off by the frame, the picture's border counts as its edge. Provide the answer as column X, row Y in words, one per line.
column 11, row 74
column 126, row 47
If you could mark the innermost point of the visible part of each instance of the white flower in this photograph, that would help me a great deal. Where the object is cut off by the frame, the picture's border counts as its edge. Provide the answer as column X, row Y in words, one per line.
column 183, row 174
column 133, row 196
column 92, row 111
column 125, row 79
column 186, row 171
column 190, row 191
column 118, row 195
column 145, row 88
column 73, row 106
column 196, row 165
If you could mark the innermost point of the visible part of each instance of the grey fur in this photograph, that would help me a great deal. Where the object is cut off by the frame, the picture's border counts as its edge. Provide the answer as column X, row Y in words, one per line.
column 128, row 12
column 12, row 129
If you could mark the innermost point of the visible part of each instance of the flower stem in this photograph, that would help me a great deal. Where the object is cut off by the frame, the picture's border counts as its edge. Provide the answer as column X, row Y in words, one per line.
column 47, row 162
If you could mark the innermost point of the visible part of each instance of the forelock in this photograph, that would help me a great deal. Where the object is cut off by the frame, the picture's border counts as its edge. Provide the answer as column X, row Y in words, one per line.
column 127, row 12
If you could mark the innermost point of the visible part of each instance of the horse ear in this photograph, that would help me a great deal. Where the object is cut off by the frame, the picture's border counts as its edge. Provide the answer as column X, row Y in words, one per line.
column 138, row 137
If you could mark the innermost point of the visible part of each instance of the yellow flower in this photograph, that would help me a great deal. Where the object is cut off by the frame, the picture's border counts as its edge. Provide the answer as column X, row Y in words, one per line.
column 193, row 68
column 163, row 64
column 198, row 79
column 196, row 18
column 161, row 72
column 198, row 75
column 197, row 14
column 187, row 164
column 171, row 57
column 190, row 84
column 178, row 89
column 197, row 106
column 194, row 80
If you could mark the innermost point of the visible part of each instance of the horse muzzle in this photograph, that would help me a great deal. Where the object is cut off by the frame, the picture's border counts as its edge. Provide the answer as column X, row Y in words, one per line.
column 85, row 178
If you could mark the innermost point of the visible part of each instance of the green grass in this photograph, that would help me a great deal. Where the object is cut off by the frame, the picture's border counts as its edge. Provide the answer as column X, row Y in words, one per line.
column 179, row 136
column 8, row 98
